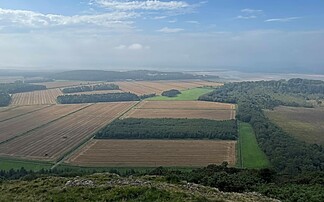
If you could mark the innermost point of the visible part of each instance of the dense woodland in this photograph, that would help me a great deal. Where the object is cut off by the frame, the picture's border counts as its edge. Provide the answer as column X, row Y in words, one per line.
column 38, row 80
column 100, row 75
column 5, row 99
column 98, row 87
column 171, row 93
column 286, row 154
column 94, row 98
column 132, row 128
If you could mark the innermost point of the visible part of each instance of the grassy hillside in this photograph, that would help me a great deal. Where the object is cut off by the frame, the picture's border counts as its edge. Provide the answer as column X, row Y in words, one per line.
column 186, row 95
column 109, row 187
column 251, row 155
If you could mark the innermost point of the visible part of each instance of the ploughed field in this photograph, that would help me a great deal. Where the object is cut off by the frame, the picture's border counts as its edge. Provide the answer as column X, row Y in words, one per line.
column 50, row 133
column 182, row 109
column 152, row 153
column 306, row 124
column 40, row 97
column 61, row 84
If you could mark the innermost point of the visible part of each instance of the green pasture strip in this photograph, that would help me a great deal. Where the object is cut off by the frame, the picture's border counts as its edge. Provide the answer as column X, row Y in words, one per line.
column 10, row 163
column 186, row 95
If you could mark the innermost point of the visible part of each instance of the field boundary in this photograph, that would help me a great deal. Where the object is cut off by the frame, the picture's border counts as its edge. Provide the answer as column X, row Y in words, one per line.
column 29, row 131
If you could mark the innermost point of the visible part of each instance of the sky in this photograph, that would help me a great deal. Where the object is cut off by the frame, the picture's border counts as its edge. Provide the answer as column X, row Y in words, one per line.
column 245, row 35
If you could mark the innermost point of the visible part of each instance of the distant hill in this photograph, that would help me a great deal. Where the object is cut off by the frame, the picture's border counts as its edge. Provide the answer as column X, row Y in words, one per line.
column 101, row 75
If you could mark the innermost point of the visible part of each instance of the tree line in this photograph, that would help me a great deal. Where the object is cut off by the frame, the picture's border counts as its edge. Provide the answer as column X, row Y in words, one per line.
column 88, row 88
column 167, row 128
column 94, row 98
column 171, row 93
column 287, row 154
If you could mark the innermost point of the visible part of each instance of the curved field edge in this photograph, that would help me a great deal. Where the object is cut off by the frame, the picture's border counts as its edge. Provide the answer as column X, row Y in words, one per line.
column 186, row 95
column 250, row 155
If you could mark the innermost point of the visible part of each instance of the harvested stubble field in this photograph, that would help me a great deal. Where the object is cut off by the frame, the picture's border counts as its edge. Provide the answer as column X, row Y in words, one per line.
column 182, row 109
column 152, row 153
column 24, row 123
column 53, row 140
column 306, row 124
column 61, row 84
column 41, row 97
column 157, row 87
column 12, row 112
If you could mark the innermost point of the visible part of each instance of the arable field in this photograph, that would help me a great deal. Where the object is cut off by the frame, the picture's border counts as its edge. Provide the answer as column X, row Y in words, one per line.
column 36, row 97
column 12, row 112
column 157, row 87
column 61, row 84
column 182, row 109
column 250, row 154
column 51, row 141
column 24, row 123
column 306, row 124
column 191, row 94
column 153, row 153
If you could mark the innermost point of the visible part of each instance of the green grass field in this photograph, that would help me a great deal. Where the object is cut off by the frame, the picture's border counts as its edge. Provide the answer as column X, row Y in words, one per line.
column 7, row 164
column 186, row 95
column 250, row 154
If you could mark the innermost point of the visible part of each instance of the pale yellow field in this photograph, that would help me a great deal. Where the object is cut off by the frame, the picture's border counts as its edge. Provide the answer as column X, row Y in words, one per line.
column 152, row 153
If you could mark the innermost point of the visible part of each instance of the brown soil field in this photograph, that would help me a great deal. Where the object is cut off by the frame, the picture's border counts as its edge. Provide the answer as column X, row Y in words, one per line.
column 12, row 112
column 24, row 123
column 53, row 140
column 153, row 153
column 61, row 84
column 157, row 87
column 306, row 124
column 41, row 97
column 182, row 109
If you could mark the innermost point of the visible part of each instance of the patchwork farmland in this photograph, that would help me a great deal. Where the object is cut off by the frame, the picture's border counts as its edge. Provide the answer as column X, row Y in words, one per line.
column 153, row 153
column 182, row 109
column 53, row 140
column 42, row 97
column 61, row 84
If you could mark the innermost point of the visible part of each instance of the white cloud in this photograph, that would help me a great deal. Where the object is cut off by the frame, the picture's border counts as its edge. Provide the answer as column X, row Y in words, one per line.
column 160, row 17
column 192, row 22
column 251, row 11
column 248, row 13
column 282, row 19
column 134, row 47
column 141, row 5
column 32, row 19
column 170, row 30
column 172, row 21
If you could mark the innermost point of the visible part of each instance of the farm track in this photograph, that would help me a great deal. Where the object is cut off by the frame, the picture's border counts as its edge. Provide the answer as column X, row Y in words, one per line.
column 52, row 141
column 152, row 153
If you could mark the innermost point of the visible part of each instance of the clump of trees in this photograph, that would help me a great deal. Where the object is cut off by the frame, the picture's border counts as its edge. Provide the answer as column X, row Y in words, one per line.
column 5, row 99
column 142, row 97
column 94, row 98
column 171, row 93
column 167, row 128
column 286, row 153
column 97, row 87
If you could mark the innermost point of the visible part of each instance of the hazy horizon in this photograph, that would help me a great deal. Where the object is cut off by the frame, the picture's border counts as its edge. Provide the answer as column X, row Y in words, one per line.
column 255, row 36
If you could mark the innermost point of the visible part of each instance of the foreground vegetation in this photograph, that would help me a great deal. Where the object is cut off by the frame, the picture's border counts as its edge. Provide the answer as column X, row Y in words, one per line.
column 94, row 98
column 285, row 153
column 251, row 156
column 186, row 95
column 167, row 128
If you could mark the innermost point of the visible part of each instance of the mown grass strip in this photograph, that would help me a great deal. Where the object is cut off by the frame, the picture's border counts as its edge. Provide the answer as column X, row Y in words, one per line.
column 251, row 154
column 186, row 95
column 9, row 163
